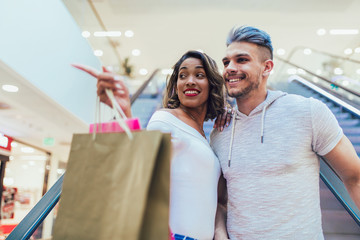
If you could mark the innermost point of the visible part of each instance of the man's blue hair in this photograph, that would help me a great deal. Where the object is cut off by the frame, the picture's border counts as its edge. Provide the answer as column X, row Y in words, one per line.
column 251, row 35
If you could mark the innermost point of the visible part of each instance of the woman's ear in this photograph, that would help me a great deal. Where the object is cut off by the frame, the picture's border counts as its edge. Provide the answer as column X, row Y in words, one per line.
column 269, row 65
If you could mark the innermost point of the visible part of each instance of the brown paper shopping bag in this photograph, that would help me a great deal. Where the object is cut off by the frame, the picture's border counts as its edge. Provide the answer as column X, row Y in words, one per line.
column 116, row 188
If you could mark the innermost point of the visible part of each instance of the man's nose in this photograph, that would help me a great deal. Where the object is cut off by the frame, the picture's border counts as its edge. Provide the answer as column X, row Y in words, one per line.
column 231, row 67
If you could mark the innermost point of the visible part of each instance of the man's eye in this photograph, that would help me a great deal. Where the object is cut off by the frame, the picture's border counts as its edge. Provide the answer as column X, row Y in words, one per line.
column 239, row 60
column 226, row 63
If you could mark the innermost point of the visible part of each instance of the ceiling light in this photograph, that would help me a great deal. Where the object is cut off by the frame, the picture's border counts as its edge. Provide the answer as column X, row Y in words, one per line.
column 136, row 52
column 345, row 83
column 129, row 33
column 318, row 71
column 143, row 71
column 85, row 34
column 301, row 71
column 307, row 51
column 348, row 51
column 98, row 53
column 107, row 34
column 291, row 71
column 27, row 150
column 280, row 51
column 357, row 50
column 344, row 31
column 10, row 88
column 321, row 32
column 338, row 71
column 167, row 71
column 358, row 71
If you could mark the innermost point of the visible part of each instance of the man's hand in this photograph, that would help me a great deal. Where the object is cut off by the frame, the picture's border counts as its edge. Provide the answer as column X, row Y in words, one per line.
column 109, row 80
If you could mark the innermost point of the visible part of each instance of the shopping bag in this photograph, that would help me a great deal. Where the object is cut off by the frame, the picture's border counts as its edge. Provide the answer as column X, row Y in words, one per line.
column 116, row 188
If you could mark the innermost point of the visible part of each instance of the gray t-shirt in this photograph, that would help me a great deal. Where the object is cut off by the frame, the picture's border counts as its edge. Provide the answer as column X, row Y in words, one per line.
column 273, row 186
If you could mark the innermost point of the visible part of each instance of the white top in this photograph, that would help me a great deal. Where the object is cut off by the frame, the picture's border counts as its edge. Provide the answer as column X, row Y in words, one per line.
column 273, row 186
column 195, row 172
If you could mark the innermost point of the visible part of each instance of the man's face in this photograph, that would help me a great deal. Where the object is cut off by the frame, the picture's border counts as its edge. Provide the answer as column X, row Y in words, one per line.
column 243, row 69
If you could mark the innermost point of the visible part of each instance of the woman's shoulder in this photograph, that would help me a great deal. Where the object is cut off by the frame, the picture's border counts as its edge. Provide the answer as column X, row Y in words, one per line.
column 162, row 119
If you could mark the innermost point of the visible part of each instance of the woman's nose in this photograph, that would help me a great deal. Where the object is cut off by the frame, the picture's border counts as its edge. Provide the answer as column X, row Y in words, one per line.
column 190, row 80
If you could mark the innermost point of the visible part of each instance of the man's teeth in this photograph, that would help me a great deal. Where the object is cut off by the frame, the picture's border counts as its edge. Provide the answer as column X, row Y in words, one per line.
column 191, row 92
column 234, row 80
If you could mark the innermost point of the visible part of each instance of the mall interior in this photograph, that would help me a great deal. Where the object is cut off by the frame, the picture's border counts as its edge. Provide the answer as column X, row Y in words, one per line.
column 44, row 100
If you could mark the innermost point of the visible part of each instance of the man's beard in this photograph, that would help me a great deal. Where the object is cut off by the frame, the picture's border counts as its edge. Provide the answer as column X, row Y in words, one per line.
column 244, row 92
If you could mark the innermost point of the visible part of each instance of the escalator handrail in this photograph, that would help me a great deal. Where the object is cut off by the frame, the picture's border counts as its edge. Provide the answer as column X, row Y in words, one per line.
column 327, row 173
column 143, row 86
column 25, row 229
column 343, row 104
column 320, row 77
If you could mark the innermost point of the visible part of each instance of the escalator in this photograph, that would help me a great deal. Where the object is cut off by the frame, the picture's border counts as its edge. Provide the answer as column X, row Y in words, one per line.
column 340, row 215
column 341, row 93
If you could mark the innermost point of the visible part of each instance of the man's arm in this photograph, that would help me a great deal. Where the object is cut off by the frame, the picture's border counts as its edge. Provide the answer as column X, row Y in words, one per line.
column 221, row 213
column 345, row 161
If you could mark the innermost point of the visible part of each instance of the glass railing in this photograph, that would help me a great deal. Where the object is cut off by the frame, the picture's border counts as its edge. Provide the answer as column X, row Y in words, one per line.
column 337, row 74
column 285, row 72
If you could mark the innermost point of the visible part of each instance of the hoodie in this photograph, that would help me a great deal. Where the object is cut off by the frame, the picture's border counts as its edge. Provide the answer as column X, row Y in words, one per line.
column 270, row 162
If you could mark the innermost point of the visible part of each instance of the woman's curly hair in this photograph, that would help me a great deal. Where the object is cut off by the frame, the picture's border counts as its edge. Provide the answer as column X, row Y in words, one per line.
column 216, row 85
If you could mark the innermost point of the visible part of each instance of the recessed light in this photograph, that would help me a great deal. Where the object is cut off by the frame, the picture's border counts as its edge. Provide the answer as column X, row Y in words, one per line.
column 357, row 50
column 85, row 34
column 280, row 51
column 27, row 150
column 338, row 71
column 321, row 32
column 136, row 52
column 344, row 31
column 167, row 71
column 129, row 33
column 143, row 71
column 10, row 88
column 348, row 51
column 307, row 51
column 98, row 53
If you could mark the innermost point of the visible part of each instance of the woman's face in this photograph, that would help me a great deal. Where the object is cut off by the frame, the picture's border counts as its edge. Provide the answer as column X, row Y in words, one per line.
column 192, row 83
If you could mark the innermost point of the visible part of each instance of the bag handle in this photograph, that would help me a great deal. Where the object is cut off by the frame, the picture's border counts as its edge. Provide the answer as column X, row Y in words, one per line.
column 119, row 114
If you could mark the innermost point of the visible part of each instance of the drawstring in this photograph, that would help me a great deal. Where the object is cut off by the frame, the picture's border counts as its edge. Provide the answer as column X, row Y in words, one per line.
column 233, row 132
column 262, row 123
column 232, row 138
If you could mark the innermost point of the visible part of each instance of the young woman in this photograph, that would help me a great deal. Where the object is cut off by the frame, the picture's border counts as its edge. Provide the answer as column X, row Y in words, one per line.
column 194, row 95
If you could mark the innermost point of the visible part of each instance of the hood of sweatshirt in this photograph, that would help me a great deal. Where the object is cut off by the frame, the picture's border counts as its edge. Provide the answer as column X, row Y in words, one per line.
column 271, row 97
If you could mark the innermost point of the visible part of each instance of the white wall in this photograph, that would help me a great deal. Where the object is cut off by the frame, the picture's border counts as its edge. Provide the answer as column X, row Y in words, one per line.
column 39, row 39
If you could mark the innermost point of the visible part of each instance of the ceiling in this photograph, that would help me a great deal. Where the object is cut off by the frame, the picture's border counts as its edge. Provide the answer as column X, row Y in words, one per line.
column 163, row 31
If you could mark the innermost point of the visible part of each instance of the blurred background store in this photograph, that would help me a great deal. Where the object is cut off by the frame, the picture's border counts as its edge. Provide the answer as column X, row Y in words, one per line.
column 43, row 100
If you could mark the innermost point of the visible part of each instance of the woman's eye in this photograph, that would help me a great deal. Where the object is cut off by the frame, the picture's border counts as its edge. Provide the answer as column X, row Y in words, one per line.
column 182, row 76
column 200, row 75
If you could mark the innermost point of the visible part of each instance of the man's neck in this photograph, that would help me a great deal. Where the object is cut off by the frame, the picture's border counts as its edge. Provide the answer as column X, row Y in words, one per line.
column 249, row 103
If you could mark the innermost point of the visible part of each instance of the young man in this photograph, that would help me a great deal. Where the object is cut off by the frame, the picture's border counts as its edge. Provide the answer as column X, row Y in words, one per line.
column 270, row 154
